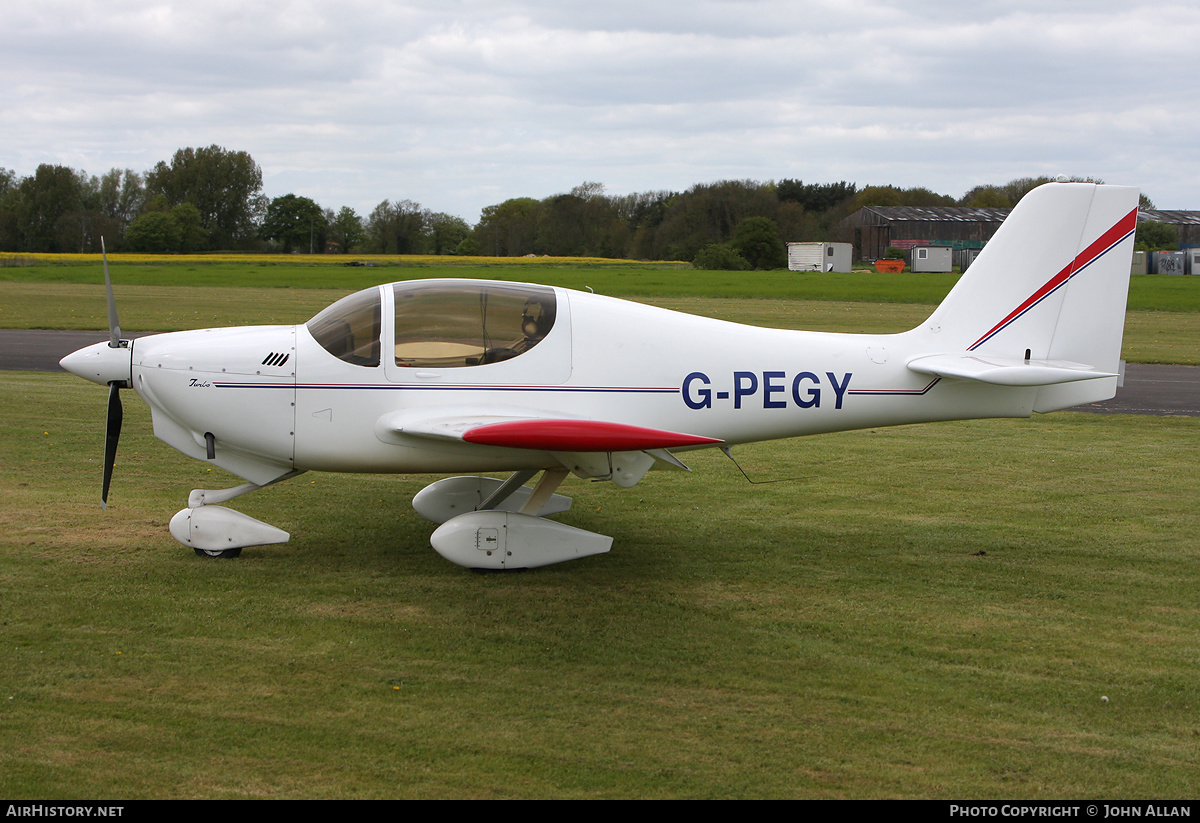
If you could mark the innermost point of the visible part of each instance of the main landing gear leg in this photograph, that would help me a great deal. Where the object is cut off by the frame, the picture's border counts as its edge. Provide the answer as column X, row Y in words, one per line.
column 446, row 499
column 551, row 480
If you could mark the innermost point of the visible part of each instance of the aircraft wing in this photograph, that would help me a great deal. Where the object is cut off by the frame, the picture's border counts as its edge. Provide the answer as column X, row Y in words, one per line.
column 522, row 431
column 1003, row 371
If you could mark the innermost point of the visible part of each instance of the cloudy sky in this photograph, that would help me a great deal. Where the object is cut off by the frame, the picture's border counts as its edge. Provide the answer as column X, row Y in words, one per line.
column 458, row 104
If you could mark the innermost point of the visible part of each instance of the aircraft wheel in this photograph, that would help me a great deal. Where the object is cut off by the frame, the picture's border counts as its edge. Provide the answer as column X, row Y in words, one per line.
column 226, row 554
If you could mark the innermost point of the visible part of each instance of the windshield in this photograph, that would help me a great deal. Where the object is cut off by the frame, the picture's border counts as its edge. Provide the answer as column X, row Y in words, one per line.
column 349, row 329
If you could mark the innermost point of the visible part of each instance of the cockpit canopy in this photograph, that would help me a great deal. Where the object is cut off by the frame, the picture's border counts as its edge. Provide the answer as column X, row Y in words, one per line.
column 469, row 324
column 439, row 324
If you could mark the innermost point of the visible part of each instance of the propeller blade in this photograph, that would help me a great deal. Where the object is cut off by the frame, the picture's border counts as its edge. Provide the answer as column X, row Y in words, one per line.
column 116, row 414
column 114, row 327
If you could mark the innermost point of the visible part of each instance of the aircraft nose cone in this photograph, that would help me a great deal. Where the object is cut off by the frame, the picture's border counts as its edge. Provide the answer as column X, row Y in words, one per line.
column 101, row 363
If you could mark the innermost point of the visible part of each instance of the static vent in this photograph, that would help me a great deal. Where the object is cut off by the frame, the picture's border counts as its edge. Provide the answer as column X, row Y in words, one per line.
column 275, row 359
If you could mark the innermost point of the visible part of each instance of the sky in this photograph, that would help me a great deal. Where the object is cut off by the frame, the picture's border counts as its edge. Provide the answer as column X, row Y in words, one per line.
column 461, row 104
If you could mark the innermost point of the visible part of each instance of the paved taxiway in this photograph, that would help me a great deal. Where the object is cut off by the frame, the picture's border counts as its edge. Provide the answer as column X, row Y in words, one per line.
column 1159, row 390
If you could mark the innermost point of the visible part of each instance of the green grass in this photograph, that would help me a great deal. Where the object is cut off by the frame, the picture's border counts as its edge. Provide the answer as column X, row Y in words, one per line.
column 1150, row 336
column 925, row 612
column 619, row 278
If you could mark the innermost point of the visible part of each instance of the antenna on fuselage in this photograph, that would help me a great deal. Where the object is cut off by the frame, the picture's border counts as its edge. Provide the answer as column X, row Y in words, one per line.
column 728, row 452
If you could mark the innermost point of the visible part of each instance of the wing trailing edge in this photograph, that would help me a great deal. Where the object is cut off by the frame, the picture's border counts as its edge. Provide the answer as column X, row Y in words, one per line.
column 553, row 434
column 580, row 436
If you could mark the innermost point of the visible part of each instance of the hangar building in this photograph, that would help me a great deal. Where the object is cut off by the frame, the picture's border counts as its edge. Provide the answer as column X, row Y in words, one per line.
column 1186, row 223
column 872, row 229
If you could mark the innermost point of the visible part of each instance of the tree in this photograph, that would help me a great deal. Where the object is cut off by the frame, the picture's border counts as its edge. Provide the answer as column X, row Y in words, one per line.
column 192, row 234
column 719, row 257
column 1007, row 196
column 509, row 229
column 445, row 232
column 396, row 228
column 469, row 247
column 118, row 193
column 709, row 213
column 9, row 236
column 295, row 223
column 225, row 186
column 346, row 228
column 815, row 197
column 8, row 181
column 1152, row 235
column 177, row 230
column 643, row 213
column 155, row 231
column 985, row 197
column 893, row 196
column 562, row 226
column 756, row 239
column 47, row 211
column 584, row 222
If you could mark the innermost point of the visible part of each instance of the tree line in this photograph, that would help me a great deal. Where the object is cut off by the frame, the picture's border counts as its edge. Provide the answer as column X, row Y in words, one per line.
column 209, row 199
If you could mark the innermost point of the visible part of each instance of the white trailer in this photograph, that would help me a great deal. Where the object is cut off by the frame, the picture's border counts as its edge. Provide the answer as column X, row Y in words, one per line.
column 1191, row 261
column 820, row 256
column 932, row 258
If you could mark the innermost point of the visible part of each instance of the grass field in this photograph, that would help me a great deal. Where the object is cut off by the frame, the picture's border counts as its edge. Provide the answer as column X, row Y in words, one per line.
column 1151, row 336
column 926, row 612
column 622, row 278
column 930, row 611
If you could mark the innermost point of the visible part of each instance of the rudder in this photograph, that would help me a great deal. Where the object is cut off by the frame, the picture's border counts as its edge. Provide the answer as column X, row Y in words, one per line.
column 1049, row 288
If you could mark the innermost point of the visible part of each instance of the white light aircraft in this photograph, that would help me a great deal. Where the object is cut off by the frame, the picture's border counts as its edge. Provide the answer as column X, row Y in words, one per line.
column 450, row 376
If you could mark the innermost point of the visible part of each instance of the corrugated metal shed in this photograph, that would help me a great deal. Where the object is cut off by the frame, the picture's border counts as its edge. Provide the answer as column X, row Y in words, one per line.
column 1186, row 223
column 874, row 228
column 935, row 214
column 1178, row 218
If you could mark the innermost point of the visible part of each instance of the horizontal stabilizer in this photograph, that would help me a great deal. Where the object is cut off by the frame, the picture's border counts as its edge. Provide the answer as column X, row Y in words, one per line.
column 1004, row 371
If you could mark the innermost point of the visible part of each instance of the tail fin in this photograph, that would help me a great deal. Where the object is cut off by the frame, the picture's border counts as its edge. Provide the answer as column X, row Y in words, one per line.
column 1044, row 303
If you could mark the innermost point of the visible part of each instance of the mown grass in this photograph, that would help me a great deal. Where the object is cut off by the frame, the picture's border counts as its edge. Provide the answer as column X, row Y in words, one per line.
column 1150, row 336
column 616, row 277
column 623, row 278
column 924, row 612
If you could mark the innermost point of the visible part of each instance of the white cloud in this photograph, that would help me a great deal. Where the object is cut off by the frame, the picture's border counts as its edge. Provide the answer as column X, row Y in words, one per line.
column 461, row 104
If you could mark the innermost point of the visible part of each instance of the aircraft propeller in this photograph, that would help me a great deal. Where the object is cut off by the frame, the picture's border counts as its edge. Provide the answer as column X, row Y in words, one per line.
column 116, row 413
column 111, row 436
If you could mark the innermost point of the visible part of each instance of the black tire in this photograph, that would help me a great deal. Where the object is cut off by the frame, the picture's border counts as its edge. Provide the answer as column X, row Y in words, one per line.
column 227, row 554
